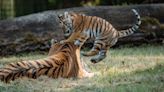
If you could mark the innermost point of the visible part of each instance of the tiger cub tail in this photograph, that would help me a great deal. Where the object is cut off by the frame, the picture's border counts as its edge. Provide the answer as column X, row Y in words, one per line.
column 131, row 30
column 31, row 69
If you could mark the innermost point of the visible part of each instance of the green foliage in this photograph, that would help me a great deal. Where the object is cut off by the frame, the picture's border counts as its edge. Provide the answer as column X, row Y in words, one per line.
column 91, row 3
column 151, row 26
column 23, row 7
column 150, row 20
column 12, row 8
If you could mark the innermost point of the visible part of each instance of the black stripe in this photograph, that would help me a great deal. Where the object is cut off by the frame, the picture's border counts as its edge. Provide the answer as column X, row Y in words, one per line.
column 47, row 71
column 30, row 64
column 72, row 21
column 82, row 28
column 8, row 69
column 23, row 63
column 20, row 74
column 96, row 28
column 65, row 46
column 28, row 75
column 13, row 77
column 137, row 24
column 83, row 37
column 97, row 48
column 93, row 24
column 40, row 69
column 76, row 27
column 2, row 78
column 90, row 34
column 64, row 51
column 54, row 61
column 54, row 71
column 8, row 77
column 89, row 22
column 105, row 26
column 50, row 64
column 138, row 19
column 34, row 73
column 12, row 65
column 59, row 70
column 38, row 63
column 82, row 23
column 102, row 38
column 62, row 69
column 24, row 72
column 132, row 29
column 18, row 64
column 99, row 44
column 101, row 24
column 127, row 32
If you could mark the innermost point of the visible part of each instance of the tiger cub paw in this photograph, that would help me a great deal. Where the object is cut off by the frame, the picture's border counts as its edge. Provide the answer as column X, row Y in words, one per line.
column 62, row 42
column 77, row 43
column 52, row 42
column 89, row 75
column 93, row 74
column 98, row 58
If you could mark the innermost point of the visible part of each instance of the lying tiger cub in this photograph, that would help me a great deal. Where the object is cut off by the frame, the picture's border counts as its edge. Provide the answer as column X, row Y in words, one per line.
column 63, row 61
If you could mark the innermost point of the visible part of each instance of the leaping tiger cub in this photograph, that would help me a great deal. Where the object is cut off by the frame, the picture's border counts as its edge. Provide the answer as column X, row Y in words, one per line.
column 63, row 61
column 78, row 28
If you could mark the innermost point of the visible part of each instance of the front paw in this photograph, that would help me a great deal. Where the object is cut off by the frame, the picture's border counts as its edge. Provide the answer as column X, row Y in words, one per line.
column 62, row 42
column 77, row 43
column 97, row 58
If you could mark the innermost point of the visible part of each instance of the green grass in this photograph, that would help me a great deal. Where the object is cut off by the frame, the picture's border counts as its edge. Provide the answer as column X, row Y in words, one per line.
column 126, row 69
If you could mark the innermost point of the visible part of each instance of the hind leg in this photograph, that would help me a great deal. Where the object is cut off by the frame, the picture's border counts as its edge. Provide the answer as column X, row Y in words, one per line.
column 103, row 51
column 100, row 56
column 95, row 49
column 92, row 52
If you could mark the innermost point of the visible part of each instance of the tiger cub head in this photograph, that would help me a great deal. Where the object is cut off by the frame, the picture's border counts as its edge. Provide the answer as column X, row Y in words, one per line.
column 66, row 23
column 58, row 47
column 54, row 44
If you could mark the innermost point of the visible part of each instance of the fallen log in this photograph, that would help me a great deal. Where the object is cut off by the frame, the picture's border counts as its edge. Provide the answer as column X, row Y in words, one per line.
column 27, row 32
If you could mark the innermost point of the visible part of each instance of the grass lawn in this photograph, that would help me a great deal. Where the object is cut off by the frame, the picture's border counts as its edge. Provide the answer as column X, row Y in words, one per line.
column 126, row 69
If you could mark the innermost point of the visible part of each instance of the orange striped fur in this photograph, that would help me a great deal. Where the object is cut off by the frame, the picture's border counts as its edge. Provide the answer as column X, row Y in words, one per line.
column 63, row 61
column 78, row 28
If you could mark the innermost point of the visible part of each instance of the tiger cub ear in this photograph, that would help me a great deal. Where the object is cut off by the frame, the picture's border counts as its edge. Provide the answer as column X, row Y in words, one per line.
column 63, row 16
column 66, row 14
column 53, row 41
column 60, row 16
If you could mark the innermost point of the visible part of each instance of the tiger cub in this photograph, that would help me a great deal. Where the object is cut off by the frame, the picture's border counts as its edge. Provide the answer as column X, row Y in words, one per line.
column 63, row 61
column 78, row 28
